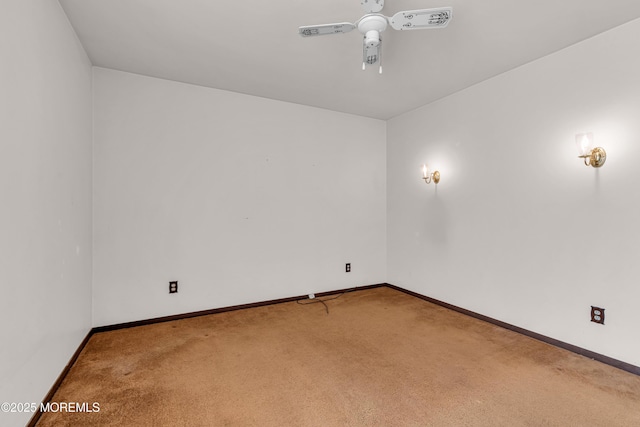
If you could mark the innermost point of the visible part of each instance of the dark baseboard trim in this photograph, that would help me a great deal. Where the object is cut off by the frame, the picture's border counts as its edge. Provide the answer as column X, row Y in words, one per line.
column 36, row 415
column 575, row 349
column 552, row 341
column 224, row 309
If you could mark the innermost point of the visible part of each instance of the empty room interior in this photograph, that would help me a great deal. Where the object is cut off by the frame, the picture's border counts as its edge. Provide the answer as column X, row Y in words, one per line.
column 250, row 213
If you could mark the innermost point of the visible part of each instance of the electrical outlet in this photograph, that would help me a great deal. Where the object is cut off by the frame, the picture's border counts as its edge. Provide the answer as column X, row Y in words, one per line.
column 597, row 315
column 173, row 287
column 347, row 267
column 312, row 296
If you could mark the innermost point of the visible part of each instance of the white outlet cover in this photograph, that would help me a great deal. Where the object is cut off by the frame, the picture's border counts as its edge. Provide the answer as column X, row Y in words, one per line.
column 312, row 296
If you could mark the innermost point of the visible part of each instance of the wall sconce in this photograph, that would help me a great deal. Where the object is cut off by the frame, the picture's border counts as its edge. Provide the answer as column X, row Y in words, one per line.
column 435, row 175
column 592, row 156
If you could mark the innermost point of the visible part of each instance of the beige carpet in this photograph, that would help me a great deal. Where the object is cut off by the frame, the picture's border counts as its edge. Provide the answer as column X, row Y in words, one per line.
column 379, row 358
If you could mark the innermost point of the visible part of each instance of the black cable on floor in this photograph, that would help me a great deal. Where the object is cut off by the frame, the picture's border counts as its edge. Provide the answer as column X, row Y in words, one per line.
column 322, row 300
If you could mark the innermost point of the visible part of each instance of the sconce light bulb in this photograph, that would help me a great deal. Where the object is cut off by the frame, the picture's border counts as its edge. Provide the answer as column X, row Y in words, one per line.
column 584, row 142
column 424, row 171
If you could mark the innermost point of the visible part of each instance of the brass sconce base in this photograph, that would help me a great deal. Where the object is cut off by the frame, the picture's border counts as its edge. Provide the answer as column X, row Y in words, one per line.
column 595, row 158
column 435, row 177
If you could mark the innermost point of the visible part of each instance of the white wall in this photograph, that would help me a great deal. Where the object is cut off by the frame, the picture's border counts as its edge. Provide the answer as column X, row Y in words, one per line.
column 244, row 199
column 519, row 229
column 240, row 199
column 45, row 185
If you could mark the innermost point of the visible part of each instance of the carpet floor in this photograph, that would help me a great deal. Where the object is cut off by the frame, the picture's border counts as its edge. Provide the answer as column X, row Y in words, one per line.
column 378, row 358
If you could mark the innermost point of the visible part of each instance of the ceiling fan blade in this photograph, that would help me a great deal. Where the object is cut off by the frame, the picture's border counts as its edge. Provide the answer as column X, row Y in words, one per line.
column 322, row 30
column 423, row 18
column 372, row 6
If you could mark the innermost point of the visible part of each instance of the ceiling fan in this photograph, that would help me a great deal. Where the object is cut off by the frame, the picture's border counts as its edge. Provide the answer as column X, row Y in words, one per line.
column 374, row 23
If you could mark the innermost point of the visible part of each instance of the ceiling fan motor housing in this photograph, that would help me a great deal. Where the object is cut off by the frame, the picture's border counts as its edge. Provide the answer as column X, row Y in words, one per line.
column 372, row 38
column 372, row 22
column 371, row 26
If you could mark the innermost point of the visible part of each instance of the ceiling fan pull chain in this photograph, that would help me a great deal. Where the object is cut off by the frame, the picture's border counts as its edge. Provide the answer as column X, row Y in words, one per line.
column 380, row 55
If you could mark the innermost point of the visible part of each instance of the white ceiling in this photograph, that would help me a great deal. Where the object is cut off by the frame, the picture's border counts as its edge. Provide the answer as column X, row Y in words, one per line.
column 253, row 46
